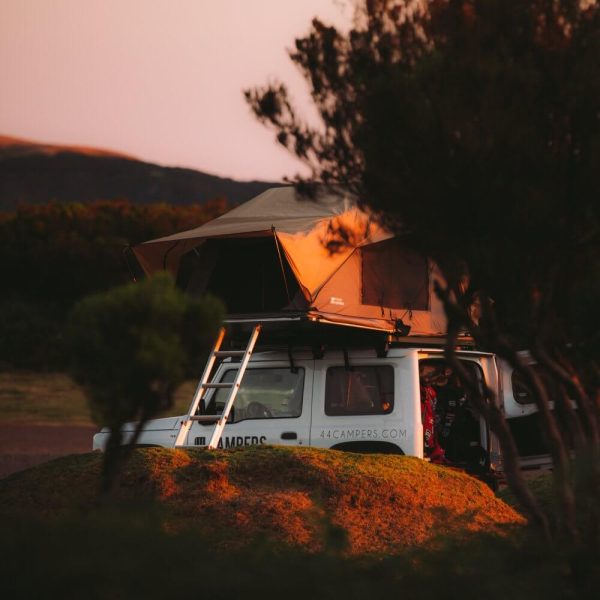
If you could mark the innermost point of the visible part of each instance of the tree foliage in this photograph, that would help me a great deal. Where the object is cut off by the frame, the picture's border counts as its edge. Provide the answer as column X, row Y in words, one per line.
column 463, row 122
column 55, row 254
column 58, row 253
column 129, row 348
column 472, row 126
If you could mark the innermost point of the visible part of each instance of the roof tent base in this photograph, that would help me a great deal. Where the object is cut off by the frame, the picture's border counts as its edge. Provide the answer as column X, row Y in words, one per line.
column 302, row 330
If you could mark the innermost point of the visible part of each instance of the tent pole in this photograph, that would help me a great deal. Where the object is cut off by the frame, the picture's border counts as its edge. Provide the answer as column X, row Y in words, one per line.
column 127, row 249
column 287, row 291
column 166, row 256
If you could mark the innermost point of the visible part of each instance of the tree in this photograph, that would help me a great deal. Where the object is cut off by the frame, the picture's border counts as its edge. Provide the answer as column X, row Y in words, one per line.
column 472, row 126
column 129, row 349
column 55, row 254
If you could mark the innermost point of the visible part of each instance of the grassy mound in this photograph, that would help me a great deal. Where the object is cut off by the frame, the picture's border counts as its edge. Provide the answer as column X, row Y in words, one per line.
column 299, row 498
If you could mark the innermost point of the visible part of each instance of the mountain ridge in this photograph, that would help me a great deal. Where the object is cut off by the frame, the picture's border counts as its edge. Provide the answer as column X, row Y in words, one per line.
column 36, row 173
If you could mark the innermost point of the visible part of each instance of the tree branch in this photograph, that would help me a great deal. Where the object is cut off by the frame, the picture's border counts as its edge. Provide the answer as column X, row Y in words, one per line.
column 487, row 405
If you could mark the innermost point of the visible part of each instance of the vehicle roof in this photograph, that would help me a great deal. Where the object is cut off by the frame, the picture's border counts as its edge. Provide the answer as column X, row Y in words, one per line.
column 306, row 354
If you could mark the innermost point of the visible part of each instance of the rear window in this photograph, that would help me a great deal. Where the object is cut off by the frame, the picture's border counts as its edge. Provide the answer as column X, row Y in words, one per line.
column 359, row 391
column 522, row 392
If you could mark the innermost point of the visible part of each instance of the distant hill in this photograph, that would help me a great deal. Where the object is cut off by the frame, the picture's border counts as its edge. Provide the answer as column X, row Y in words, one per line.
column 37, row 173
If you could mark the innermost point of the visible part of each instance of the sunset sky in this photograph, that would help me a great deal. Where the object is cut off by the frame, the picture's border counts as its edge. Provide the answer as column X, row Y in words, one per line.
column 159, row 79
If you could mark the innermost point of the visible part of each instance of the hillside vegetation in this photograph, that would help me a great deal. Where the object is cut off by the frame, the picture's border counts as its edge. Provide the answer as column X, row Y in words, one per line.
column 292, row 497
column 54, row 254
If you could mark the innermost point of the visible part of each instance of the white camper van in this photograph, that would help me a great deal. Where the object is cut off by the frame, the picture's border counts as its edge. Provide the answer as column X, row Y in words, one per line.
column 344, row 398
column 356, row 333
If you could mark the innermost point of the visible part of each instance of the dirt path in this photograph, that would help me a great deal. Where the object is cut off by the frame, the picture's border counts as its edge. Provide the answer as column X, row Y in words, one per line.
column 24, row 445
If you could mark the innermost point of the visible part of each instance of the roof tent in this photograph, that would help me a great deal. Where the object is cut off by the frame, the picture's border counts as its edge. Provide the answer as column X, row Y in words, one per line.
column 325, row 259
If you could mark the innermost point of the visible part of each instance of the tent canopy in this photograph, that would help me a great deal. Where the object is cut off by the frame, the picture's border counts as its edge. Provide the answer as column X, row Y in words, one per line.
column 280, row 252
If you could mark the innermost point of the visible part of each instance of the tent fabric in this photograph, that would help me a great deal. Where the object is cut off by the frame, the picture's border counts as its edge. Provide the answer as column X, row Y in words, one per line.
column 279, row 208
column 310, row 252
column 326, row 256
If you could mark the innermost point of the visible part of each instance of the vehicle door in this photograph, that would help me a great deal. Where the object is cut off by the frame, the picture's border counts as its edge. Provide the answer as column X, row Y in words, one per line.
column 522, row 415
column 517, row 399
column 460, row 429
column 272, row 405
column 367, row 404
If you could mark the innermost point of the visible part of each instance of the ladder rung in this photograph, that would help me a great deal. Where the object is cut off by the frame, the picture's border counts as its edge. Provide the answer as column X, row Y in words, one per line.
column 229, row 353
column 206, row 418
column 218, row 386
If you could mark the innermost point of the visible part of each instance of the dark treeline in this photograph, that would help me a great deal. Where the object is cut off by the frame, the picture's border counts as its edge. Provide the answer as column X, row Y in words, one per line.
column 54, row 254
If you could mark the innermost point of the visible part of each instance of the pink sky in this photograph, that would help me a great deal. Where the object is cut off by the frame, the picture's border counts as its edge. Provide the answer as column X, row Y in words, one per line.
column 159, row 79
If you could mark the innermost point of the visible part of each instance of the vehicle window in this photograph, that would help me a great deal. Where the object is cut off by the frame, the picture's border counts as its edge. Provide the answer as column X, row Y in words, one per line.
column 522, row 392
column 263, row 394
column 359, row 391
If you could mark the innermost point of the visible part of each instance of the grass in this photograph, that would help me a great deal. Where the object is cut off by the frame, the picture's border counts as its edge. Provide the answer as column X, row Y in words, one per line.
column 542, row 487
column 121, row 556
column 270, row 523
column 42, row 398
column 293, row 497
column 53, row 398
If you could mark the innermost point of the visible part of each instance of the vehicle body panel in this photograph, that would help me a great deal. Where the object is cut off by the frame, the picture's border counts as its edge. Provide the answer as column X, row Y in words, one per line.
column 400, row 429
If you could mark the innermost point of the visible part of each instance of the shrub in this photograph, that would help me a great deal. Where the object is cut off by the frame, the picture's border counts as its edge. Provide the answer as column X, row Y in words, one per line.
column 129, row 347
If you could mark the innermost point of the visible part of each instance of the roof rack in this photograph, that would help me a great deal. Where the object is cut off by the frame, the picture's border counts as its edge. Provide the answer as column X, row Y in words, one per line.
column 295, row 330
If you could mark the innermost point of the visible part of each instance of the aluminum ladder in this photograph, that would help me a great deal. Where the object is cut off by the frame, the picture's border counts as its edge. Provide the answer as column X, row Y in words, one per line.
column 206, row 383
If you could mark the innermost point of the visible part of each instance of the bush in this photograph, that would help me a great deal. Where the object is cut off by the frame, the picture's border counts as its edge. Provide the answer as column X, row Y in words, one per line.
column 129, row 348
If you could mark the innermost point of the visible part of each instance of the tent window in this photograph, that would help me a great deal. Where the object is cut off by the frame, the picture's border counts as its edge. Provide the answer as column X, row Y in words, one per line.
column 394, row 276
column 245, row 273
